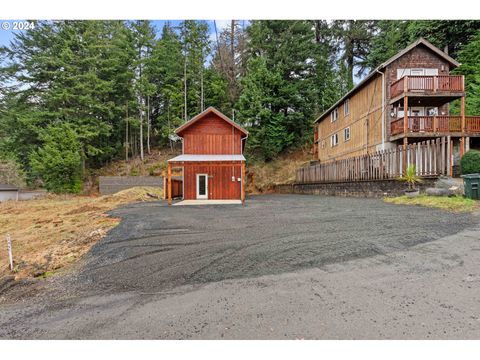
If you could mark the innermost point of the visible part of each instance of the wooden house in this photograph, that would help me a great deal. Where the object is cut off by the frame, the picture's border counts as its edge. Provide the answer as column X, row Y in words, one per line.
column 212, row 160
column 404, row 100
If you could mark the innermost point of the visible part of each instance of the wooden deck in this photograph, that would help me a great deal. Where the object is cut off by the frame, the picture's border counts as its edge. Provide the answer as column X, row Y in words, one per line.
column 436, row 125
column 428, row 84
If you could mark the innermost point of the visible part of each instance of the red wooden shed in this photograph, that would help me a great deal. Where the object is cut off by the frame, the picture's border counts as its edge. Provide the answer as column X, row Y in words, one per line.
column 212, row 158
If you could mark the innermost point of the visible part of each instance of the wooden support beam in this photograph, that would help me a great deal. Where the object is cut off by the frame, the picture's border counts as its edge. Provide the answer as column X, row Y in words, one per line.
column 405, row 115
column 169, row 180
column 449, row 156
column 462, row 112
column 243, row 183
column 404, row 156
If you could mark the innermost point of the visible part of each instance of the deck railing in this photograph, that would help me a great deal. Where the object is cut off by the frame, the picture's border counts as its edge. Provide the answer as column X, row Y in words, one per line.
column 429, row 157
column 427, row 84
column 436, row 124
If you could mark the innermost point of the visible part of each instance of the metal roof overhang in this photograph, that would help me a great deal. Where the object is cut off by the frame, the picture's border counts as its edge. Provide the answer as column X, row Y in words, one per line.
column 201, row 158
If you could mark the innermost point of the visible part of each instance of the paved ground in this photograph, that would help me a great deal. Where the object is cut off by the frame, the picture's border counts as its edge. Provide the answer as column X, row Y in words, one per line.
column 284, row 266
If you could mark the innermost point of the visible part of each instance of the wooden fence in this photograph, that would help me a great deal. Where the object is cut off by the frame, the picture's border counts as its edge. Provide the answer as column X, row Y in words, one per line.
column 431, row 158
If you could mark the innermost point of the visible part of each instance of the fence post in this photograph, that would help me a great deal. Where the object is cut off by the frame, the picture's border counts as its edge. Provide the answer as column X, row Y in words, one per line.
column 9, row 248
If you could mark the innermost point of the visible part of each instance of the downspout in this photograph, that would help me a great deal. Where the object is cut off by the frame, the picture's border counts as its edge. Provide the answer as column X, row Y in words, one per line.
column 241, row 148
column 183, row 173
column 383, row 107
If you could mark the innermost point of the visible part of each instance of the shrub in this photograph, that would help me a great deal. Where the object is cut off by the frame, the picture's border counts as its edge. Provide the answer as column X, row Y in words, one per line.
column 11, row 173
column 470, row 163
column 411, row 177
column 58, row 162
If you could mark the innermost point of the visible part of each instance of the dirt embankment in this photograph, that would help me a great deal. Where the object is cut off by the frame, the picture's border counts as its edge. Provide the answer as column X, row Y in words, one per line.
column 51, row 233
column 263, row 176
column 155, row 164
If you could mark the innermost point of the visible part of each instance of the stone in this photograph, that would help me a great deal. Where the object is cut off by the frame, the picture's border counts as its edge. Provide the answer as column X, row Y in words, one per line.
column 437, row 192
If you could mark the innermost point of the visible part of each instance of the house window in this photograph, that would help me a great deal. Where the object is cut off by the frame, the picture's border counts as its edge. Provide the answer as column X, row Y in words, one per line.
column 346, row 107
column 334, row 140
column 346, row 134
column 334, row 114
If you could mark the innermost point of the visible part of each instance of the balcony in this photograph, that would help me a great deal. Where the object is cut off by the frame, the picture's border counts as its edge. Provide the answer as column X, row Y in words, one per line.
column 436, row 124
column 428, row 85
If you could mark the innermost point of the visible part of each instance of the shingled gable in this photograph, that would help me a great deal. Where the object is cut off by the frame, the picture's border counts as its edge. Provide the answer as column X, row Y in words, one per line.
column 420, row 41
column 200, row 116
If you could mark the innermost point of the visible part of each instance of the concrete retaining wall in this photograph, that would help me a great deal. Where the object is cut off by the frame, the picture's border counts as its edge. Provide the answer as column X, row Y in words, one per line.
column 372, row 188
column 113, row 184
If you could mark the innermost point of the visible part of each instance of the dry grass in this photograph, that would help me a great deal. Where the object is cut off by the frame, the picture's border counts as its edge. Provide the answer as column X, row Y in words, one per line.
column 262, row 177
column 50, row 233
column 454, row 204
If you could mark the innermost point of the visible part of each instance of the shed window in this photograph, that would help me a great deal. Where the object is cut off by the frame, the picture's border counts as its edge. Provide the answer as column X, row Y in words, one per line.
column 346, row 107
column 334, row 114
column 334, row 140
column 346, row 134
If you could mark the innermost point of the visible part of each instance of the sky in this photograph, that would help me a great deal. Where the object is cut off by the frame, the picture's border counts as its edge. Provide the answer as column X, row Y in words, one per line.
column 7, row 35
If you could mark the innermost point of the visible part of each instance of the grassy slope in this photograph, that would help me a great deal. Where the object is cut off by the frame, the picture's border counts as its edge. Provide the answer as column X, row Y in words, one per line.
column 455, row 204
column 154, row 164
column 49, row 234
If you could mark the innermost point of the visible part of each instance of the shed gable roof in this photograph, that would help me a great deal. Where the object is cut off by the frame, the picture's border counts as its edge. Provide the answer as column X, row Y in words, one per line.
column 420, row 41
column 203, row 114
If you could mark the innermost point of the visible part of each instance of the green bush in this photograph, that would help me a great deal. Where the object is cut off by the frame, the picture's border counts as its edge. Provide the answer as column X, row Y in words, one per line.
column 58, row 162
column 470, row 163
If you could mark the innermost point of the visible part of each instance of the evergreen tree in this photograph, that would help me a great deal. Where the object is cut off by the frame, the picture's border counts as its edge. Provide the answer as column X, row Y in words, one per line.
column 286, row 70
column 166, row 73
column 144, row 36
column 468, row 57
column 58, row 162
column 391, row 36
column 68, row 72
column 229, row 58
column 449, row 35
column 354, row 38
column 196, row 47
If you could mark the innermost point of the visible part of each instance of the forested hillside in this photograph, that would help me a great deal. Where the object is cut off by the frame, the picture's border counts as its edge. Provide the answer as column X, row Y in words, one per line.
column 77, row 94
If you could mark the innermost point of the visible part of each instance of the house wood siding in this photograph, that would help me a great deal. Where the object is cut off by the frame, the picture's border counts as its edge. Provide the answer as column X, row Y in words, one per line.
column 220, row 184
column 365, row 102
column 418, row 58
column 212, row 133
column 364, row 120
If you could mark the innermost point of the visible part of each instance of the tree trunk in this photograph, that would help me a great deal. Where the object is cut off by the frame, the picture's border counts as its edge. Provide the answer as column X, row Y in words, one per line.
column 126, row 135
column 185, row 117
column 148, row 124
column 141, row 129
column 202, row 106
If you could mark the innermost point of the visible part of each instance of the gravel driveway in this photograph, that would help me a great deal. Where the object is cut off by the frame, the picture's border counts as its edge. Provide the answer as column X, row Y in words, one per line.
column 166, row 268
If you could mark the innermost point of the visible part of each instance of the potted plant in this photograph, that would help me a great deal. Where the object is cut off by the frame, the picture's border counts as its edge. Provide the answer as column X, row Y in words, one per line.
column 411, row 179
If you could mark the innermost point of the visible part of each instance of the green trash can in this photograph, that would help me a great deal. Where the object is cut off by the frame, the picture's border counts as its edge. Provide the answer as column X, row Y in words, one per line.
column 472, row 183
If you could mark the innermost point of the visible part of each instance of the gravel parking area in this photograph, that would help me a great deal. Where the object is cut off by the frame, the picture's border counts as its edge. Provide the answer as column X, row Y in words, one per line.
column 283, row 266
column 157, row 248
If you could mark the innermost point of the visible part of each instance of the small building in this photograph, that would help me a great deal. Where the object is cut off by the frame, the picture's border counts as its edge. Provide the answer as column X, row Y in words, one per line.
column 8, row 192
column 405, row 100
column 212, row 161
